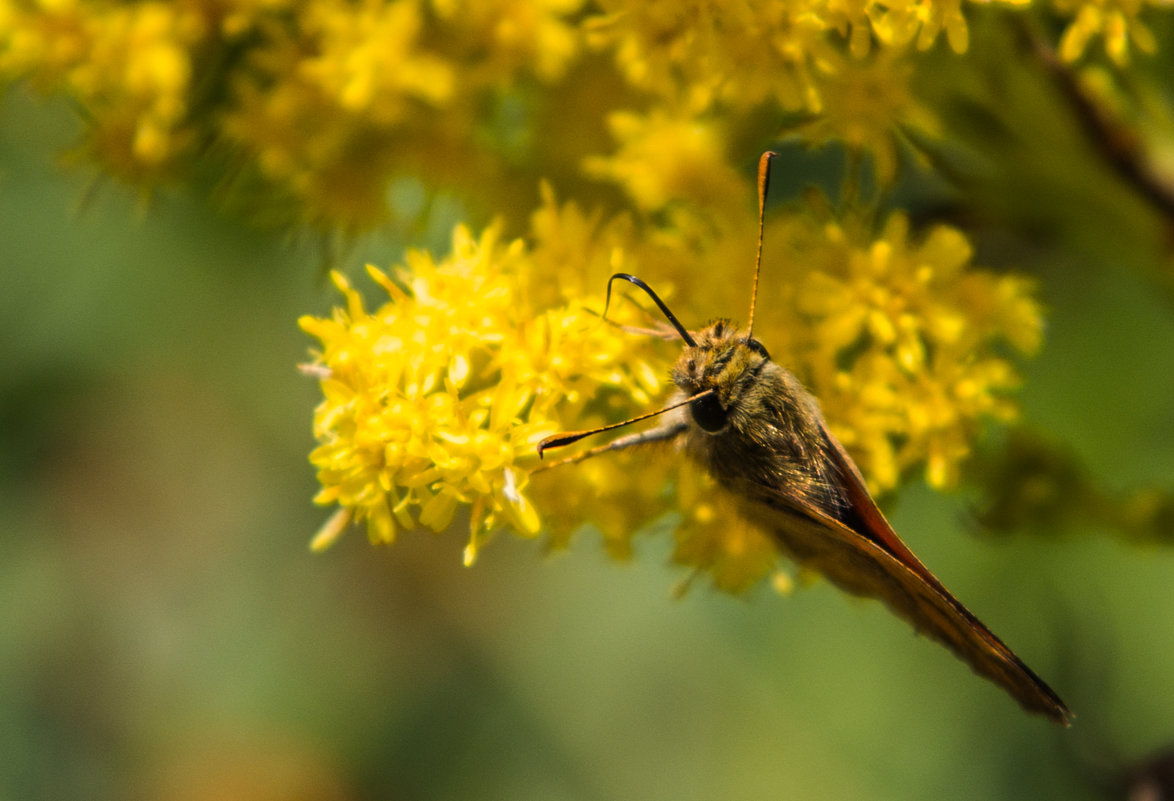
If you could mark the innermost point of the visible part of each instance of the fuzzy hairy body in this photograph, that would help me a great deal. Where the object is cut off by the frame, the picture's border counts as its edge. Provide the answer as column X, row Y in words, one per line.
column 761, row 435
column 772, row 436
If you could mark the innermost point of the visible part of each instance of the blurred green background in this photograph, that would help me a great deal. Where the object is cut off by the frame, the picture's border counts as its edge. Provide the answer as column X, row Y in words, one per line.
column 165, row 633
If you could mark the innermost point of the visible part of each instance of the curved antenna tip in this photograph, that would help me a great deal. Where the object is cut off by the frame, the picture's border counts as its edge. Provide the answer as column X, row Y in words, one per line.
column 672, row 318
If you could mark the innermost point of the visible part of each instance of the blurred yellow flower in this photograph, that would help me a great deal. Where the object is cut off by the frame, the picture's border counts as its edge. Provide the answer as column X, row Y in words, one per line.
column 619, row 495
column 1117, row 22
column 310, row 112
column 369, row 58
column 713, row 538
column 868, row 104
column 515, row 35
column 705, row 52
column 665, row 157
column 318, row 105
column 130, row 65
column 901, row 21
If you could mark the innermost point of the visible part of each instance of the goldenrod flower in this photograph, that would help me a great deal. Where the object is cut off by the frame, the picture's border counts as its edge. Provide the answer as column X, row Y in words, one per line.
column 516, row 35
column 901, row 338
column 618, row 495
column 409, row 426
column 310, row 112
column 130, row 65
column 668, row 156
column 317, row 106
column 704, row 52
column 438, row 398
column 868, row 104
column 899, row 22
column 1117, row 22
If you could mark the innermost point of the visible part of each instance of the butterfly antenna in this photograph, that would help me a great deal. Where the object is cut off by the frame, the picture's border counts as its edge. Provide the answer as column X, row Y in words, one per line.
column 763, row 185
column 672, row 318
column 568, row 437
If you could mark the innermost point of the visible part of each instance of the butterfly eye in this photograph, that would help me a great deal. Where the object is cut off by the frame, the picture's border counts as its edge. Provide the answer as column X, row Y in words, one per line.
column 757, row 347
column 709, row 414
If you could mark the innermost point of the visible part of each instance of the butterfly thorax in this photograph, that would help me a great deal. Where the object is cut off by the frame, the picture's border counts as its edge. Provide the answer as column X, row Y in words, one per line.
column 760, row 429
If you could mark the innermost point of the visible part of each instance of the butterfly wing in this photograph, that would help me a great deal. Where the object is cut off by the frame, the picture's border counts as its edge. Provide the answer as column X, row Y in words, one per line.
column 873, row 562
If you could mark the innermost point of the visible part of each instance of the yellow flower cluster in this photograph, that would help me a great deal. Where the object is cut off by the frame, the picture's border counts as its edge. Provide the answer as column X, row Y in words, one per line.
column 665, row 157
column 320, row 103
column 1117, row 22
column 316, row 107
column 705, row 52
column 437, row 399
column 130, row 65
column 905, row 343
column 869, row 105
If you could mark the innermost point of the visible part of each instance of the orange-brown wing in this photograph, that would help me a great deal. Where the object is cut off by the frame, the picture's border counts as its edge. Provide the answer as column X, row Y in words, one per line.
column 874, row 563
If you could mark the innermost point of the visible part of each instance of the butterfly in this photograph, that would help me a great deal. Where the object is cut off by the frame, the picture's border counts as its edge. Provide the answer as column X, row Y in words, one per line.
column 752, row 425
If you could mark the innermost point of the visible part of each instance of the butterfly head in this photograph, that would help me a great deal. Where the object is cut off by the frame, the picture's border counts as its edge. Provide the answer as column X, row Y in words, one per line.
column 723, row 359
